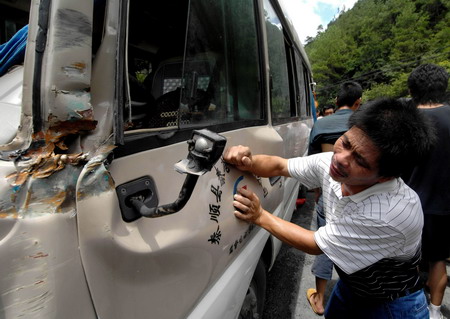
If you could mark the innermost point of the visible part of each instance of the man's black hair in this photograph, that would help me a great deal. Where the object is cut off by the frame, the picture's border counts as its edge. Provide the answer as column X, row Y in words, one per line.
column 348, row 94
column 326, row 107
column 400, row 131
column 427, row 84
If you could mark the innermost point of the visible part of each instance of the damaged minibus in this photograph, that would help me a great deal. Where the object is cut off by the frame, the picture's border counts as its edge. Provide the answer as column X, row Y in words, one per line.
column 114, row 199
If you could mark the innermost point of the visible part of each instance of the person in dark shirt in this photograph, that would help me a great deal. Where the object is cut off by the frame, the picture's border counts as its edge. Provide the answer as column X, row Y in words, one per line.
column 330, row 128
column 431, row 179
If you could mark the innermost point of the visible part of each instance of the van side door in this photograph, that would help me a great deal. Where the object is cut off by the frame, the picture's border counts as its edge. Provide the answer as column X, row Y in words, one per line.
column 186, row 66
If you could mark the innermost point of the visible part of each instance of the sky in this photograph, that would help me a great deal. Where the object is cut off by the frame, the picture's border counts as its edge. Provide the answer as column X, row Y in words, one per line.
column 307, row 15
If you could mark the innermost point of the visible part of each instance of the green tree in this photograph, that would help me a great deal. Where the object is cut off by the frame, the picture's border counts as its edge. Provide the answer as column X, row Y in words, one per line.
column 378, row 43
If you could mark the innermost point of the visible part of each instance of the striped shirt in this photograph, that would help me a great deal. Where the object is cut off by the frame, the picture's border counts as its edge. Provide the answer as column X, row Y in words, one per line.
column 379, row 226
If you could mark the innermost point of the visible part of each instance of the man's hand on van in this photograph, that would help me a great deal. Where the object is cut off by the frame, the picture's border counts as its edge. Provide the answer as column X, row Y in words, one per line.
column 248, row 206
column 261, row 165
column 249, row 209
column 239, row 156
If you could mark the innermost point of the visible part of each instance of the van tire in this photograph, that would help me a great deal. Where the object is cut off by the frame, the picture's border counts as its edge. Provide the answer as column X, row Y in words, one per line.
column 253, row 305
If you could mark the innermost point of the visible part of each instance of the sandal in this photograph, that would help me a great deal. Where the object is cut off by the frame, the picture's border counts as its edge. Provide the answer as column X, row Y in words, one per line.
column 309, row 293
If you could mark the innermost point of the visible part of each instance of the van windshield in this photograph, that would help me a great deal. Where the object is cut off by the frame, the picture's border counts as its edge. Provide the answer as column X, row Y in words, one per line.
column 188, row 66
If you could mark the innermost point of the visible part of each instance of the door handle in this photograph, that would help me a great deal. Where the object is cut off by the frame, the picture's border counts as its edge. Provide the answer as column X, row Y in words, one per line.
column 139, row 198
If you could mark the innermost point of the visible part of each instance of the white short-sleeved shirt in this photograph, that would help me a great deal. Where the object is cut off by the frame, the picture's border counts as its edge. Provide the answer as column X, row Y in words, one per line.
column 383, row 221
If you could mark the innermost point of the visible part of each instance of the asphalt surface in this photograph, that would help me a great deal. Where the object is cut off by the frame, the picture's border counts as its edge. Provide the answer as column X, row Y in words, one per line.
column 291, row 276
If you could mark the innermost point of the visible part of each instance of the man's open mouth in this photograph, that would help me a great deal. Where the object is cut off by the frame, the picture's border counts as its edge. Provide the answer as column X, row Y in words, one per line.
column 335, row 171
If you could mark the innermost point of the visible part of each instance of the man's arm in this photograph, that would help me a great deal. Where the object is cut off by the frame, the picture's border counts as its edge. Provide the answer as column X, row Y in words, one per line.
column 260, row 165
column 251, row 211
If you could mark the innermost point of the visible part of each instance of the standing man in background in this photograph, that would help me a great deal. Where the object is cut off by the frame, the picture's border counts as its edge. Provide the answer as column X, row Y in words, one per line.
column 325, row 111
column 330, row 128
column 322, row 138
column 431, row 178
column 328, row 110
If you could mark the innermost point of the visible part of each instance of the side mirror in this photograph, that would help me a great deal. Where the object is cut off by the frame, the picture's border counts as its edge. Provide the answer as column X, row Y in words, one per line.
column 205, row 148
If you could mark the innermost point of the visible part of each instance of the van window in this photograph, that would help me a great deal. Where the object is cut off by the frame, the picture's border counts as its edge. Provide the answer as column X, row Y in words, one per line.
column 13, row 17
column 279, row 76
column 308, row 93
column 302, row 89
column 188, row 67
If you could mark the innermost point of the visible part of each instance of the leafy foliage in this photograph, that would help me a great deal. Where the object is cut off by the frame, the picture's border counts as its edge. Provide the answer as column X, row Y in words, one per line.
column 378, row 43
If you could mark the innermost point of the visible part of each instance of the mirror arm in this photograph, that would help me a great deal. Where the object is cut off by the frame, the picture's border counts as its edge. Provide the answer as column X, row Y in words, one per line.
column 205, row 149
column 168, row 209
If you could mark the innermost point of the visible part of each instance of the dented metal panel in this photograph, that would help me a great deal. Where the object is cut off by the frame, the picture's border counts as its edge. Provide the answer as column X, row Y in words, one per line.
column 50, row 161
column 42, row 274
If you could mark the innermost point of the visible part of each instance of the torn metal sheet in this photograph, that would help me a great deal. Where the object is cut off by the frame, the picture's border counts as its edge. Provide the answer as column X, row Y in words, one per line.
column 96, row 179
column 48, row 184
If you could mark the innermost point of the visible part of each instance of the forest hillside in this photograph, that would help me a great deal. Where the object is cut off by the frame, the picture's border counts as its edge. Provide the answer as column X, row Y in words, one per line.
column 378, row 43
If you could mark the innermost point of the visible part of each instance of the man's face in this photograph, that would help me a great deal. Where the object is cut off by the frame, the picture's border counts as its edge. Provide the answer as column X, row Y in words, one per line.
column 328, row 112
column 355, row 161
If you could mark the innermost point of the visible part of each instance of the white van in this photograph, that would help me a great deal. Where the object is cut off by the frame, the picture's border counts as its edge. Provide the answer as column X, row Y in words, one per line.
column 114, row 200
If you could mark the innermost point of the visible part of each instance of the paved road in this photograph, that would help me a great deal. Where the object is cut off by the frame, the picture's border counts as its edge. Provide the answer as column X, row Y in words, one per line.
column 291, row 276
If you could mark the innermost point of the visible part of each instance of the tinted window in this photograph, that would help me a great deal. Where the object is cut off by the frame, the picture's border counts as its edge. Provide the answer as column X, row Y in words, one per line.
column 302, row 89
column 13, row 16
column 279, row 76
column 188, row 70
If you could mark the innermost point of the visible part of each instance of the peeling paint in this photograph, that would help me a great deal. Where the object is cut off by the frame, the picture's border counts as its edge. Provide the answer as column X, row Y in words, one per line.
column 47, row 183
column 10, row 212
column 75, row 70
column 45, row 166
column 75, row 106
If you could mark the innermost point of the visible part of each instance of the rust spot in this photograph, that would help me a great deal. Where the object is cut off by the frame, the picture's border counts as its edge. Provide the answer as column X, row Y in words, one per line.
column 19, row 178
column 39, row 149
column 10, row 212
column 79, row 65
column 47, row 147
column 75, row 69
column 39, row 255
column 87, row 114
column 72, row 127
column 62, row 146
column 46, row 166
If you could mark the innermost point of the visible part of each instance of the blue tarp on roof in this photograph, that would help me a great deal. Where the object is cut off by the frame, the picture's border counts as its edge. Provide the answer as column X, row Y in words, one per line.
column 13, row 51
